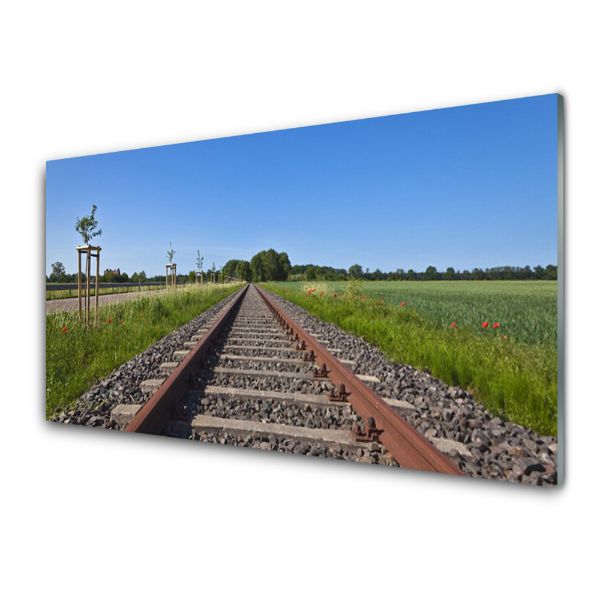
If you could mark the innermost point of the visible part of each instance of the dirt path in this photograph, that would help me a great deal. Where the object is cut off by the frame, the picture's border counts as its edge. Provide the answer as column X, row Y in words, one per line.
column 53, row 306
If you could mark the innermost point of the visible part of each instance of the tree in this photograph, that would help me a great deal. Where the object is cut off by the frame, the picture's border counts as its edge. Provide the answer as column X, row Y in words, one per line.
column 355, row 272
column 430, row 273
column 285, row 263
column 551, row 272
column 270, row 266
column 192, row 276
column 450, row 273
column 230, row 268
column 199, row 263
column 311, row 273
column 243, row 270
column 273, row 267
column 86, row 225
column 58, row 271
column 170, row 254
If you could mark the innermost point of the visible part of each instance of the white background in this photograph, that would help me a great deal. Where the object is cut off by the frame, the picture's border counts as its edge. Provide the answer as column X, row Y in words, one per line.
column 100, row 514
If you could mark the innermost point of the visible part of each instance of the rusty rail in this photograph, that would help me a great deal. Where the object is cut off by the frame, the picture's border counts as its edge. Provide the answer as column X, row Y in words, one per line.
column 407, row 446
column 154, row 415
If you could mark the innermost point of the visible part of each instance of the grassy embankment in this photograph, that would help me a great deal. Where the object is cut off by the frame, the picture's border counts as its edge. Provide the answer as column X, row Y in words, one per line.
column 62, row 294
column 512, row 368
column 79, row 357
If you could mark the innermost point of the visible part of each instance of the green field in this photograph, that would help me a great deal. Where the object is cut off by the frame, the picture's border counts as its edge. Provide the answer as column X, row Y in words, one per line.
column 512, row 368
column 78, row 357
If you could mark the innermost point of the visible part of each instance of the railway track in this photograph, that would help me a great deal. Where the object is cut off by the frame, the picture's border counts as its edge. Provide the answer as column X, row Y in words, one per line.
column 254, row 376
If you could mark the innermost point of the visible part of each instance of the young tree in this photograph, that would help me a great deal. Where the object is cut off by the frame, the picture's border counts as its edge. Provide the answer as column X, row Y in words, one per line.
column 199, row 263
column 86, row 226
column 170, row 254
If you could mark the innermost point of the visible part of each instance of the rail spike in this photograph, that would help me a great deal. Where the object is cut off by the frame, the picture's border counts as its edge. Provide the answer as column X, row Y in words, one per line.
column 342, row 396
column 370, row 433
column 322, row 372
column 310, row 357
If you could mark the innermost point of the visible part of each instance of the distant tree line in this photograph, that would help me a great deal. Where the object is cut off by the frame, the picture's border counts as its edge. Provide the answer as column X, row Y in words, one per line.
column 314, row 272
column 269, row 265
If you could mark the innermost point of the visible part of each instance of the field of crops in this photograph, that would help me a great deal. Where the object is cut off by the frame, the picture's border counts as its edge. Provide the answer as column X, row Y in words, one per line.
column 526, row 310
column 496, row 338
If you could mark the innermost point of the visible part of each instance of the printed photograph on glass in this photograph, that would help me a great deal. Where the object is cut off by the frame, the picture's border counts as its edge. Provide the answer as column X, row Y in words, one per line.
column 384, row 291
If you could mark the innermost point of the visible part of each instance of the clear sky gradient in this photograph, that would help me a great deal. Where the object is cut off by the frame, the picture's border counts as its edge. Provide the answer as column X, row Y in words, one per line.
column 472, row 186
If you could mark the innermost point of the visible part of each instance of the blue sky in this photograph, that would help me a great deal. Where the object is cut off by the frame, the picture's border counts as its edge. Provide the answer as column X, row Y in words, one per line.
column 472, row 186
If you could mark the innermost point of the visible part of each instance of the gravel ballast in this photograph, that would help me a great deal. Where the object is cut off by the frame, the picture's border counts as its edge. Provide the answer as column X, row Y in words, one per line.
column 498, row 449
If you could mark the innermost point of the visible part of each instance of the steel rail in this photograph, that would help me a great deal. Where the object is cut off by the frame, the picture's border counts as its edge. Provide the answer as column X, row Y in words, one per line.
column 410, row 449
column 154, row 415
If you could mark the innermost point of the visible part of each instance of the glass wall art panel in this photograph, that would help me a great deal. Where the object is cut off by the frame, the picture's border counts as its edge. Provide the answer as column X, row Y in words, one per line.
column 386, row 291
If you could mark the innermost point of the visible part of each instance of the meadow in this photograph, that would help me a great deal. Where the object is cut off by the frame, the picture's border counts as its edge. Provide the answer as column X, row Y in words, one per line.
column 77, row 357
column 497, row 339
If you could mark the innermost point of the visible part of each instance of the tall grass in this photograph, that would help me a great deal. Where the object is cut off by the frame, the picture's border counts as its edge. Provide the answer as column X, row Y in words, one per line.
column 79, row 357
column 514, row 378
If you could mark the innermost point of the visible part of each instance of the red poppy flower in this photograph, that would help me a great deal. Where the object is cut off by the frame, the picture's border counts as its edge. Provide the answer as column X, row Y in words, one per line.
column 108, row 321
column 64, row 330
column 496, row 325
column 143, row 314
column 320, row 294
column 335, row 295
column 504, row 338
column 484, row 324
column 402, row 303
column 121, row 320
column 453, row 324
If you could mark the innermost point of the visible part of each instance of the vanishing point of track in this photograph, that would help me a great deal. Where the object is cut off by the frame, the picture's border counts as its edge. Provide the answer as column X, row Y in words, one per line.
column 254, row 352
